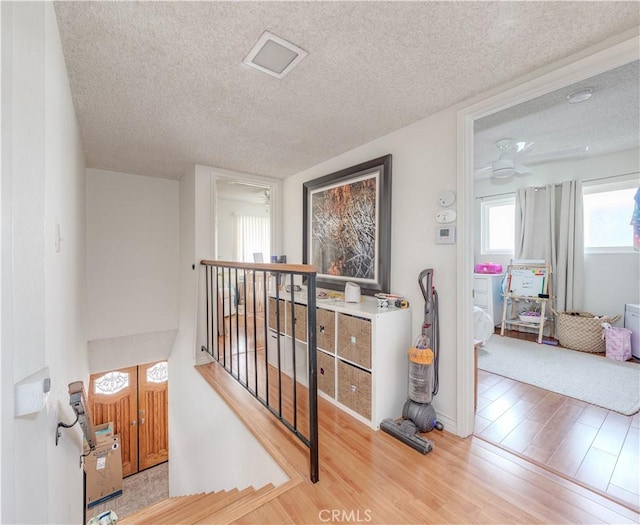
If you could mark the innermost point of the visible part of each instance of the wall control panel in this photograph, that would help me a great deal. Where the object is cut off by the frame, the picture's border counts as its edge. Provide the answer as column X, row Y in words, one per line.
column 446, row 235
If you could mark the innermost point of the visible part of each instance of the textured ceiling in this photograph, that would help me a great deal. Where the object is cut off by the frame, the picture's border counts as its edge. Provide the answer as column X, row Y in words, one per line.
column 242, row 192
column 609, row 121
column 159, row 86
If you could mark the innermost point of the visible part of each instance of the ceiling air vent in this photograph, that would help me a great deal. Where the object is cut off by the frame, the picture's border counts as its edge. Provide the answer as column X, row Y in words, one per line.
column 274, row 55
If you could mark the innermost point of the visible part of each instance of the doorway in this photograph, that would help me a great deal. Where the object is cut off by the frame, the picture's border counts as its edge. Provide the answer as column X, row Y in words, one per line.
column 135, row 400
column 601, row 60
column 514, row 397
column 243, row 220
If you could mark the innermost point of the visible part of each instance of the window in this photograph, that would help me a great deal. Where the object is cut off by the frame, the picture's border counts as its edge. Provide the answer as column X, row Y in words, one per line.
column 111, row 383
column 158, row 373
column 253, row 236
column 607, row 216
column 497, row 224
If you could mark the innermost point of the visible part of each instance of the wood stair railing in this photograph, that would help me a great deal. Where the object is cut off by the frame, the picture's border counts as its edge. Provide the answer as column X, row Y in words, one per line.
column 215, row 507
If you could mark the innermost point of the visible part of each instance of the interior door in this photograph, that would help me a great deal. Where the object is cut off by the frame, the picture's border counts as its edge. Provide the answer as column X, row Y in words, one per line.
column 153, row 411
column 113, row 396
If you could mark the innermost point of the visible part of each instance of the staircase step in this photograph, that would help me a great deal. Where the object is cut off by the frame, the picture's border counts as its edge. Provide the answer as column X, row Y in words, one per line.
column 193, row 514
column 239, row 507
column 168, row 506
column 175, row 513
column 143, row 514
column 213, row 507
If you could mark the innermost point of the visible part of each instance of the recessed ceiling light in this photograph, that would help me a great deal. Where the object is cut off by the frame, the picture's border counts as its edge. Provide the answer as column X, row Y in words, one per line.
column 580, row 96
column 274, row 55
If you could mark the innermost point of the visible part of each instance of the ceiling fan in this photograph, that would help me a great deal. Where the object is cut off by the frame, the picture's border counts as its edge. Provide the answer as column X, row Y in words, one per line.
column 513, row 153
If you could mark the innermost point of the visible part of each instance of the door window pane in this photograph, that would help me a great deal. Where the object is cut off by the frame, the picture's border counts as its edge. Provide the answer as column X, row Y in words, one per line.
column 158, row 373
column 111, row 383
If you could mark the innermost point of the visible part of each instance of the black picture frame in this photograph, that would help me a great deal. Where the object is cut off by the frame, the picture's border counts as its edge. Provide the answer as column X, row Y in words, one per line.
column 347, row 226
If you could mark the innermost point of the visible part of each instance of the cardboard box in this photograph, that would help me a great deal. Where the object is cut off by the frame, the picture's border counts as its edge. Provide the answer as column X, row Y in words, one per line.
column 103, row 468
column 103, row 432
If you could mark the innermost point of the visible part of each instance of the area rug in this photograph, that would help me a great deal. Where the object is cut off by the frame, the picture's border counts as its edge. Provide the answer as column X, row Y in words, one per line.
column 591, row 378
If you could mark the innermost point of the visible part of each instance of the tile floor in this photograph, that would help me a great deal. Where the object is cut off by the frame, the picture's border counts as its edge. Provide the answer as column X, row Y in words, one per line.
column 138, row 491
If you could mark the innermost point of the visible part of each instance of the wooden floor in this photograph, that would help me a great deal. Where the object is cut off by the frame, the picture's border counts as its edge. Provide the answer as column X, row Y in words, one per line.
column 596, row 447
column 369, row 477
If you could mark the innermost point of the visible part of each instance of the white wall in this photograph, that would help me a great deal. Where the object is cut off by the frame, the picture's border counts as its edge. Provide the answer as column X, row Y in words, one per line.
column 132, row 254
column 424, row 165
column 610, row 280
column 210, row 449
column 43, row 324
column 131, row 350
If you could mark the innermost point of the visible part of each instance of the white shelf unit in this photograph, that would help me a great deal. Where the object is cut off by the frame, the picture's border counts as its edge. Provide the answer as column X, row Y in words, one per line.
column 361, row 354
column 487, row 294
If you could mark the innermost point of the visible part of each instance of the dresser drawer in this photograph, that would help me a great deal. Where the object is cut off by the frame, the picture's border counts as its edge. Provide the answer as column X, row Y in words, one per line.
column 354, row 388
column 354, row 339
column 285, row 350
column 326, row 330
column 273, row 313
column 481, row 284
column 300, row 321
column 327, row 374
column 481, row 299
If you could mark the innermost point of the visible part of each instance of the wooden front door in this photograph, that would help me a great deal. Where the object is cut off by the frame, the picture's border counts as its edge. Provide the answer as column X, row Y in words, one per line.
column 113, row 397
column 153, row 412
column 135, row 399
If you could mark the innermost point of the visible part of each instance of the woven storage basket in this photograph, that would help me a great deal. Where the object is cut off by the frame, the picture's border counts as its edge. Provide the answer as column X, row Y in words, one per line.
column 582, row 331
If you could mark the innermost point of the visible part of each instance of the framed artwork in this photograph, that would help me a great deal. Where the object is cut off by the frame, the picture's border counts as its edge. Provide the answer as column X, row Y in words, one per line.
column 347, row 226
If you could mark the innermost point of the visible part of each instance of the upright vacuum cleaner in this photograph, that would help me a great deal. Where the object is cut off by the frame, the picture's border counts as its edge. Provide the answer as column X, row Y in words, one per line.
column 417, row 414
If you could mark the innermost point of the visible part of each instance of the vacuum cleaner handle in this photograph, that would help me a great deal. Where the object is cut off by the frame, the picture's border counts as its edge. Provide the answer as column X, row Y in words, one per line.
column 426, row 275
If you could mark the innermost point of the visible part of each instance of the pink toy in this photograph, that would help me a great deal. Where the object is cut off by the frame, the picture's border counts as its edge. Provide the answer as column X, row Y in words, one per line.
column 488, row 267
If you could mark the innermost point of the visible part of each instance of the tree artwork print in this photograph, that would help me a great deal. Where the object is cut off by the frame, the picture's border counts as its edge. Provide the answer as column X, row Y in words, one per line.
column 346, row 230
column 344, row 222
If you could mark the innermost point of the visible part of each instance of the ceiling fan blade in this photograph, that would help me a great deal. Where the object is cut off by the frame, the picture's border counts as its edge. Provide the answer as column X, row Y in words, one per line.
column 557, row 155
column 523, row 146
column 483, row 170
column 521, row 169
column 246, row 183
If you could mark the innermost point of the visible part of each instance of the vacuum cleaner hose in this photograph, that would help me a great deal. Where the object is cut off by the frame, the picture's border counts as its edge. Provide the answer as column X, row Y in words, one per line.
column 436, row 342
column 431, row 326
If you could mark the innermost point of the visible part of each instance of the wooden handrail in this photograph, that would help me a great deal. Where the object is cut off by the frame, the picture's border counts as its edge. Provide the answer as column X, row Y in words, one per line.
column 306, row 269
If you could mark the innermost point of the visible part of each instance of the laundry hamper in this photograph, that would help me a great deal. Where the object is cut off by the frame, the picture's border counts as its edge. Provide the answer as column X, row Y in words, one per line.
column 582, row 331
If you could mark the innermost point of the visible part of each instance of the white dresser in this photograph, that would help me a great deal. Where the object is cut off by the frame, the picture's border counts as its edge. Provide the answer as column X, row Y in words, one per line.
column 487, row 294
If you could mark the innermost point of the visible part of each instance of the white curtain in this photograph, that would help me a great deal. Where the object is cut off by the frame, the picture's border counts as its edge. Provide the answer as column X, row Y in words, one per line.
column 568, row 261
column 252, row 236
column 549, row 226
column 532, row 228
